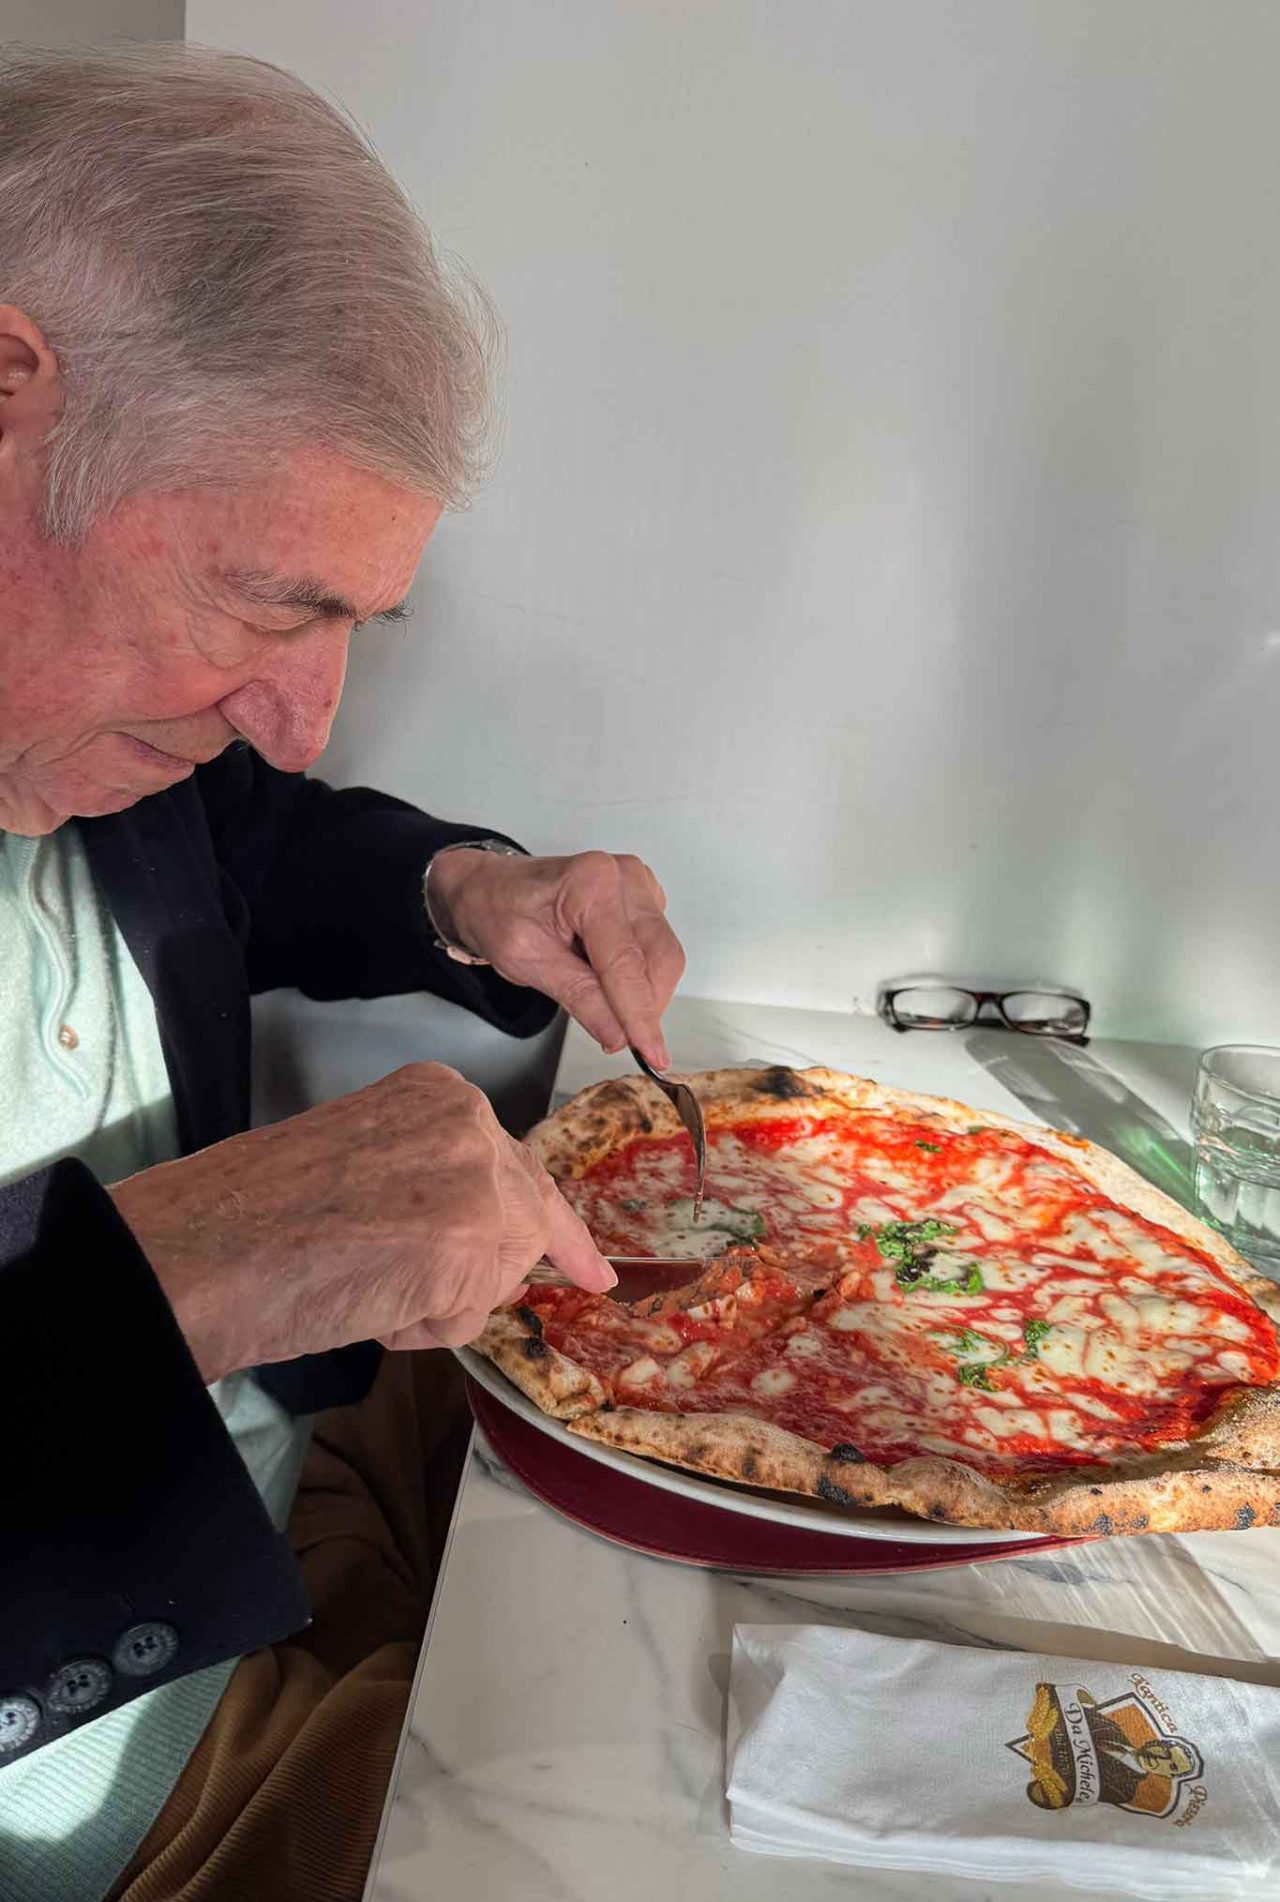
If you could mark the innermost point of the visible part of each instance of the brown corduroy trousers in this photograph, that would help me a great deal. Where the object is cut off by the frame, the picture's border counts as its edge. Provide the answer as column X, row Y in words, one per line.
column 283, row 1795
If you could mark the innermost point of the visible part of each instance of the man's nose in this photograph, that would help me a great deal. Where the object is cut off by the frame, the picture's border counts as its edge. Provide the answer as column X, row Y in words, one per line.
column 286, row 712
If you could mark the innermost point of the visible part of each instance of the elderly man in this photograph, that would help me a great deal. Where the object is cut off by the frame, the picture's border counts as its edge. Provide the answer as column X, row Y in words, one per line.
column 235, row 393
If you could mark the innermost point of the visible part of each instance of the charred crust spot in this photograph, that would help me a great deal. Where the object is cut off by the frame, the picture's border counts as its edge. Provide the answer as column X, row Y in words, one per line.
column 1102, row 1523
column 833, row 1494
column 1206, row 1487
column 532, row 1321
column 615, row 1101
column 1141, row 1521
column 848, row 1454
column 749, row 1463
column 937, row 1512
column 1245, row 1517
column 783, row 1084
column 1096, row 1491
column 535, row 1348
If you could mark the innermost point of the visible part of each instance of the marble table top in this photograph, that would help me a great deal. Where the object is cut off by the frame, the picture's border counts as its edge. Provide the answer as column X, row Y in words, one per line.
column 565, row 1738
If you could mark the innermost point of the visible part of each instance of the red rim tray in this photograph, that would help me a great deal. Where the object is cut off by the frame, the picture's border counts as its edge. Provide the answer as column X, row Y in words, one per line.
column 648, row 1519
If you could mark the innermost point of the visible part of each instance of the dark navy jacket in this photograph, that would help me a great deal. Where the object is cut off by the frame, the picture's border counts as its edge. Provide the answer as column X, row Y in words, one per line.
column 130, row 1532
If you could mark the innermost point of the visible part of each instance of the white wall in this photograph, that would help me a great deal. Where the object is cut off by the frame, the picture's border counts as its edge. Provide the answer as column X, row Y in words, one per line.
column 89, row 22
column 887, row 544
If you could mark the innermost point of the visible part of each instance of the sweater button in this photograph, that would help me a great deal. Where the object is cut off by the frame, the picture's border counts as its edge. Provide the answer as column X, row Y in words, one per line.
column 68, row 1038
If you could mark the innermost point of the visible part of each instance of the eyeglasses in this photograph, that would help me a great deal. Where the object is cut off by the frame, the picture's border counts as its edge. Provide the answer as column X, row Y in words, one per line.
column 1036, row 1013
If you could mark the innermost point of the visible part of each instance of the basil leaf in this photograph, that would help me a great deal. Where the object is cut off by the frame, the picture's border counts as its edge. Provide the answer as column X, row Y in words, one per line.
column 720, row 1218
column 969, row 1282
column 963, row 1340
column 745, row 1225
column 974, row 1374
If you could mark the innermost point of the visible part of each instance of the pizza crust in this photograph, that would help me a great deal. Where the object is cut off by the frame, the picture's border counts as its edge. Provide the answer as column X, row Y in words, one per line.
column 1175, row 1490
column 512, row 1340
column 1228, row 1476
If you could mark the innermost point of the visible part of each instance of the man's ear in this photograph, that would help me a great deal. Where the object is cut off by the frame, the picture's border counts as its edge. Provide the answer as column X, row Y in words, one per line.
column 30, row 385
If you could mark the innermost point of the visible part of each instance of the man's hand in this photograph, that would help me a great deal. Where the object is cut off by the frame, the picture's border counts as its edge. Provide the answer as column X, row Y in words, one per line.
column 402, row 1213
column 590, row 931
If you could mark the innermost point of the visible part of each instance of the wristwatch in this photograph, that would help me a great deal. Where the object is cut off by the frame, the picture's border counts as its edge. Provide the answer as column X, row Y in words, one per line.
column 444, row 938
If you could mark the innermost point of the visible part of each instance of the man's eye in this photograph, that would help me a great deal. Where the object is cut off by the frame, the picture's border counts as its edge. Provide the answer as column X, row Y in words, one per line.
column 279, row 625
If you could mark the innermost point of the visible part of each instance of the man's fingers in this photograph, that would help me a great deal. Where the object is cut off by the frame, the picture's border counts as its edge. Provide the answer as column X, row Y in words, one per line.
column 446, row 1330
column 620, row 965
column 570, row 1248
column 409, row 1340
column 663, row 953
column 571, row 981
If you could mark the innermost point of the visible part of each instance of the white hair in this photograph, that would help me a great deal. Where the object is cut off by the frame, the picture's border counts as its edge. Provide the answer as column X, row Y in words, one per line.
column 225, row 269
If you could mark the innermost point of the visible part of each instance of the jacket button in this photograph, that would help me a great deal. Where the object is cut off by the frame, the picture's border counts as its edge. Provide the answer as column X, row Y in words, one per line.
column 145, row 1649
column 79, row 1686
column 20, row 1719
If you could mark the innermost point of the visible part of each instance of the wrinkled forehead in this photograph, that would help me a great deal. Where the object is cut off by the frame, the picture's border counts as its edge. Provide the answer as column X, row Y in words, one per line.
column 352, row 536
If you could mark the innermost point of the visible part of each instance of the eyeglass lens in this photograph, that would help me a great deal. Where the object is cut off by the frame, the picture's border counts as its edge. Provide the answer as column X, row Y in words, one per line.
column 940, row 1008
column 944, row 1007
column 1045, row 1011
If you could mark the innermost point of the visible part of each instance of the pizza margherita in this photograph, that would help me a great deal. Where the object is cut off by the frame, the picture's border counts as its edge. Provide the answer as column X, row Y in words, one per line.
column 905, row 1303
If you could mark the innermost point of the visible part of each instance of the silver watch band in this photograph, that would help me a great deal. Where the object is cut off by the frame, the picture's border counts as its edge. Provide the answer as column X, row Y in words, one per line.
column 444, row 940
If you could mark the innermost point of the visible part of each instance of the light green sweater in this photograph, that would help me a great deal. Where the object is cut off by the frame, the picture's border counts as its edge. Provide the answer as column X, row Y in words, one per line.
column 82, row 1074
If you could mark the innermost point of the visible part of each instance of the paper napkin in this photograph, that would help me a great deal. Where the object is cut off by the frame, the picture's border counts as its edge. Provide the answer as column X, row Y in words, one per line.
column 1002, row 1765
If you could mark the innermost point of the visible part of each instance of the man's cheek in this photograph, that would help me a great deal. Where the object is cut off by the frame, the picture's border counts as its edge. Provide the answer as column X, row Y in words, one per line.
column 99, row 778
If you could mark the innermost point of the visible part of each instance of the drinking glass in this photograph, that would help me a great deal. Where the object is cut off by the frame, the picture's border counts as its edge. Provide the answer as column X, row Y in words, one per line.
column 1235, row 1115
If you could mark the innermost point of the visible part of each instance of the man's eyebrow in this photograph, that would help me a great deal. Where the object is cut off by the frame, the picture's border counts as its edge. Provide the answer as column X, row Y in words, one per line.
column 300, row 591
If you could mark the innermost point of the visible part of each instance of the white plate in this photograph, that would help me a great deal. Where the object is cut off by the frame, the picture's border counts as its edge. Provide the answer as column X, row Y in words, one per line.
column 728, row 1498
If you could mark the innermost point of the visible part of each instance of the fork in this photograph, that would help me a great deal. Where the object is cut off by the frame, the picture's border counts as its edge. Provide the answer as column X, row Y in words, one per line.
column 689, row 1110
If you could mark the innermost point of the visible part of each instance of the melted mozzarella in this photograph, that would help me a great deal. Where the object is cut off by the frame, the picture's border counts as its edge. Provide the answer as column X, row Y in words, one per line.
column 1234, row 1366
column 858, row 1317
column 804, row 1346
column 868, row 1209
column 1067, row 1430
column 657, row 1338
column 1062, row 1350
column 1089, row 1403
column 991, row 1227
column 1074, row 1304
column 690, row 1364
column 640, row 1372
column 1008, row 1274
column 1004, row 1421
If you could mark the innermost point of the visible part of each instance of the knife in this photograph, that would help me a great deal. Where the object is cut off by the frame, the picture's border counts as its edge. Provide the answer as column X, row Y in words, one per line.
column 638, row 1275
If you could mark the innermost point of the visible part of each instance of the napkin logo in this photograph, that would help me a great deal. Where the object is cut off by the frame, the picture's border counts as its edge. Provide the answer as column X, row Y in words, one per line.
column 1124, row 1752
